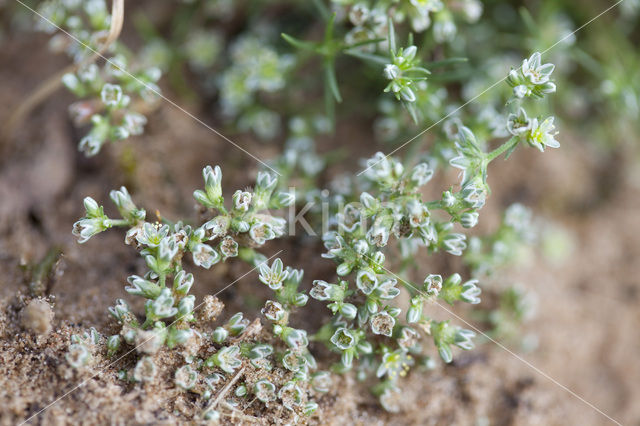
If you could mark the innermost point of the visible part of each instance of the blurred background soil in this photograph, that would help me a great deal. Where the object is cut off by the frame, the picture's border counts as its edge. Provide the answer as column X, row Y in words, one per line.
column 587, row 303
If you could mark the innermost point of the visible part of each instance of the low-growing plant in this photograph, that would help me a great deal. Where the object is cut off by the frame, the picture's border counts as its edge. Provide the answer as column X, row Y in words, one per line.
column 368, row 329
column 114, row 97
column 434, row 89
column 226, row 232
column 375, row 225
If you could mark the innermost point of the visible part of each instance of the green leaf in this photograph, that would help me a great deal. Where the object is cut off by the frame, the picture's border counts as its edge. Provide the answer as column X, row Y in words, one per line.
column 323, row 9
column 330, row 107
column 510, row 151
column 364, row 43
column 300, row 44
column 328, row 32
column 420, row 70
column 376, row 59
column 331, row 81
column 446, row 62
column 412, row 111
column 392, row 38
column 528, row 20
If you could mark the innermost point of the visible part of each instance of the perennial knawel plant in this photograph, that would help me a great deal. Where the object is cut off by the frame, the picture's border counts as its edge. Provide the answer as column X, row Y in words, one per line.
column 369, row 328
column 367, row 325
column 226, row 232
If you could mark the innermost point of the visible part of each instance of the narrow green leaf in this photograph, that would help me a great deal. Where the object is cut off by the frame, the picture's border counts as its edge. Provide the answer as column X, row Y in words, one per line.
column 300, row 44
column 328, row 32
column 412, row 111
column 420, row 70
column 329, row 106
column 445, row 62
column 392, row 38
column 528, row 20
column 376, row 59
column 331, row 80
column 364, row 43
column 322, row 9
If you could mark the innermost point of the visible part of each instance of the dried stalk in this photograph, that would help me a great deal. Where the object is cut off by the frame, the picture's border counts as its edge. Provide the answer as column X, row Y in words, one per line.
column 225, row 390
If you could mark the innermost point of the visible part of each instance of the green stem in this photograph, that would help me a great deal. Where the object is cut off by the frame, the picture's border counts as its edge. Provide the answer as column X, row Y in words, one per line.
column 118, row 222
column 433, row 205
column 502, row 148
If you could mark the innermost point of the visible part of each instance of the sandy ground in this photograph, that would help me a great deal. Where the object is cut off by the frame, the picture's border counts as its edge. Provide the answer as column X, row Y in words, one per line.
column 584, row 369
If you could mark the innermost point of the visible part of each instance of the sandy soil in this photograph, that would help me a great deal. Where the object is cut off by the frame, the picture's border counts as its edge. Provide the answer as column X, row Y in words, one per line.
column 587, row 304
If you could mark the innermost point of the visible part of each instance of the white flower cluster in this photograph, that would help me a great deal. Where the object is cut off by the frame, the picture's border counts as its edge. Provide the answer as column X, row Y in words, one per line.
column 111, row 97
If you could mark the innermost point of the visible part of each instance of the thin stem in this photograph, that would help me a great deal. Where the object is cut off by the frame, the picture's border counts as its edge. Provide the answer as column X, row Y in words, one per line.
column 502, row 148
column 162, row 280
column 118, row 222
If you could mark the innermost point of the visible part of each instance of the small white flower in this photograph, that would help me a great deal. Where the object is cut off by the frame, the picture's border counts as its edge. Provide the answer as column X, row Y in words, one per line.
column 87, row 228
column 417, row 213
column 320, row 290
column 145, row 370
column 455, row 243
column 111, row 95
column 378, row 236
column 205, row 256
column 518, row 217
column 264, row 390
column 343, row 339
column 152, row 235
column 163, row 307
column 462, row 339
column 228, row 247
column 408, row 338
column 78, row 355
column 472, row 10
column 273, row 276
column 261, row 232
column 186, row 377
column 378, row 167
column 273, row 311
column 321, row 381
column 291, row 395
column 518, row 124
column 542, row 135
column 444, row 30
column 448, row 199
column 520, row 91
column 382, row 323
column 395, row 364
column 134, row 123
column 387, row 289
column 421, row 174
column 433, row 284
column 212, row 194
column 391, row 71
column 469, row 219
column 217, row 227
column 227, row 359
column 90, row 145
column 359, row 14
column 348, row 311
column 241, row 200
column 366, row 281
column 470, row 292
column 296, row 339
column 536, row 72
